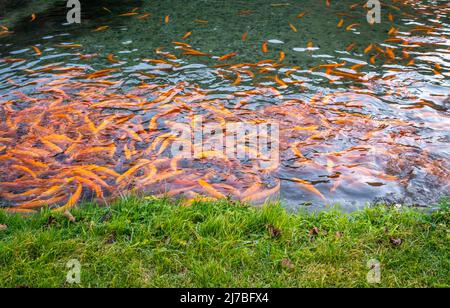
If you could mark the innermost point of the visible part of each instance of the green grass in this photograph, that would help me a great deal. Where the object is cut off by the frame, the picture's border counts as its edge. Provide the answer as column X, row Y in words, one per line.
column 158, row 243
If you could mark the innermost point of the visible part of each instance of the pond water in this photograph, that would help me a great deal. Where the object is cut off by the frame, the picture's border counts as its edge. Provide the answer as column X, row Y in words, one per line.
column 87, row 111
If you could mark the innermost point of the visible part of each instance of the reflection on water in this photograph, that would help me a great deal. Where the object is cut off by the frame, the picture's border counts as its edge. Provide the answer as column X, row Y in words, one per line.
column 86, row 110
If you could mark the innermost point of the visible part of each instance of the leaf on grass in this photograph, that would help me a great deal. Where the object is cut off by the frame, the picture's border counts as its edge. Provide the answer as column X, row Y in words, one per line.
column 286, row 263
column 273, row 231
column 106, row 217
column 50, row 221
column 111, row 238
column 314, row 231
column 395, row 241
column 3, row 227
column 69, row 216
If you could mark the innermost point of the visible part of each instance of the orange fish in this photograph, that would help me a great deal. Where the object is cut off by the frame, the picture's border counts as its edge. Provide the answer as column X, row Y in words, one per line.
column 228, row 56
column 391, row 17
column 33, row 17
column 187, row 35
column 264, row 47
column 351, row 47
column 211, row 190
column 293, row 28
column 72, row 200
column 111, row 59
column 129, row 14
column 146, row 15
column 350, row 27
column 368, row 49
column 308, row 186
column 238, row 79
column 244, row 36
column 101, row 28
column 390, row 53
column 37, row 50
column 167, row 19
column 282, row 56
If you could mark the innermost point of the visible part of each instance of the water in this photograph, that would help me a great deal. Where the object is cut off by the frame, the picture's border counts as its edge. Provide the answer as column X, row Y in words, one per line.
column 87, row 110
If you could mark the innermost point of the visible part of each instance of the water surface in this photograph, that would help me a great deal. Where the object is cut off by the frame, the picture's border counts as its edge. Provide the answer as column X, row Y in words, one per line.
column 87, row 110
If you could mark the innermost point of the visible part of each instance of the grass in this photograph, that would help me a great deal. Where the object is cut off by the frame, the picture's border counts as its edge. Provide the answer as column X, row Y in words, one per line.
column 158, row 243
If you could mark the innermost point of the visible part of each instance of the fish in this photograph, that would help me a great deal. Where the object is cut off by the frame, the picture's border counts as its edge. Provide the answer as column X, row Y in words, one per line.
column 167, row 19
column 69, row 45
column 282, row 56
column 351, row 47
column 72, row 200
column 129, row 14
column 357, row 66
column 12, row 60
column 390, row 53
column 293, row 28
column 393, row 31
column 264, row 47
column 228, row 56
column 237, row 81
column 111, row 59
column 251, row 195
column 101, row 28
column 141, row 163
column 368, row 49
column 210, row 189
column 26, row 170
column 345, row 74
column 296, row 151
column 352, row 26
column 341, row 23
column 244, row 36
column 37, row 50
column 301, row 14
column 188, row 34
column 33, row 17
column 144, row 16
column 309, row 187
column 92, row 185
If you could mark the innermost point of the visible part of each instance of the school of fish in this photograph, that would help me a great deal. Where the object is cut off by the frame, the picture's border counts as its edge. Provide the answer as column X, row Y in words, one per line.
column 79, row 135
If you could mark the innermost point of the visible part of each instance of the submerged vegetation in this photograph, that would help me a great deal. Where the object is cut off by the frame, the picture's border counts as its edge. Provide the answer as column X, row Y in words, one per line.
column 160, row 243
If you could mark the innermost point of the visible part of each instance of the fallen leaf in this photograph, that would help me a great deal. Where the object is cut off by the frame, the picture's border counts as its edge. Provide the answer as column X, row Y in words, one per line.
column 69, row 216
column 286, row 263
column 3, row 227
column 50, row 221
column 396, row 241
column 111, row 238
column 314, row 231
column 273, row 231
column 106, row 217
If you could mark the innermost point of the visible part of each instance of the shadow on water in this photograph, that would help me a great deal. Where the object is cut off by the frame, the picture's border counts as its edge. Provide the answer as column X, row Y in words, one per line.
column 53, row 19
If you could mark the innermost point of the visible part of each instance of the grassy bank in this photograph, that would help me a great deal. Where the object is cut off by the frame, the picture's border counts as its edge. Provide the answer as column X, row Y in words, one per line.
column 156, row 243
